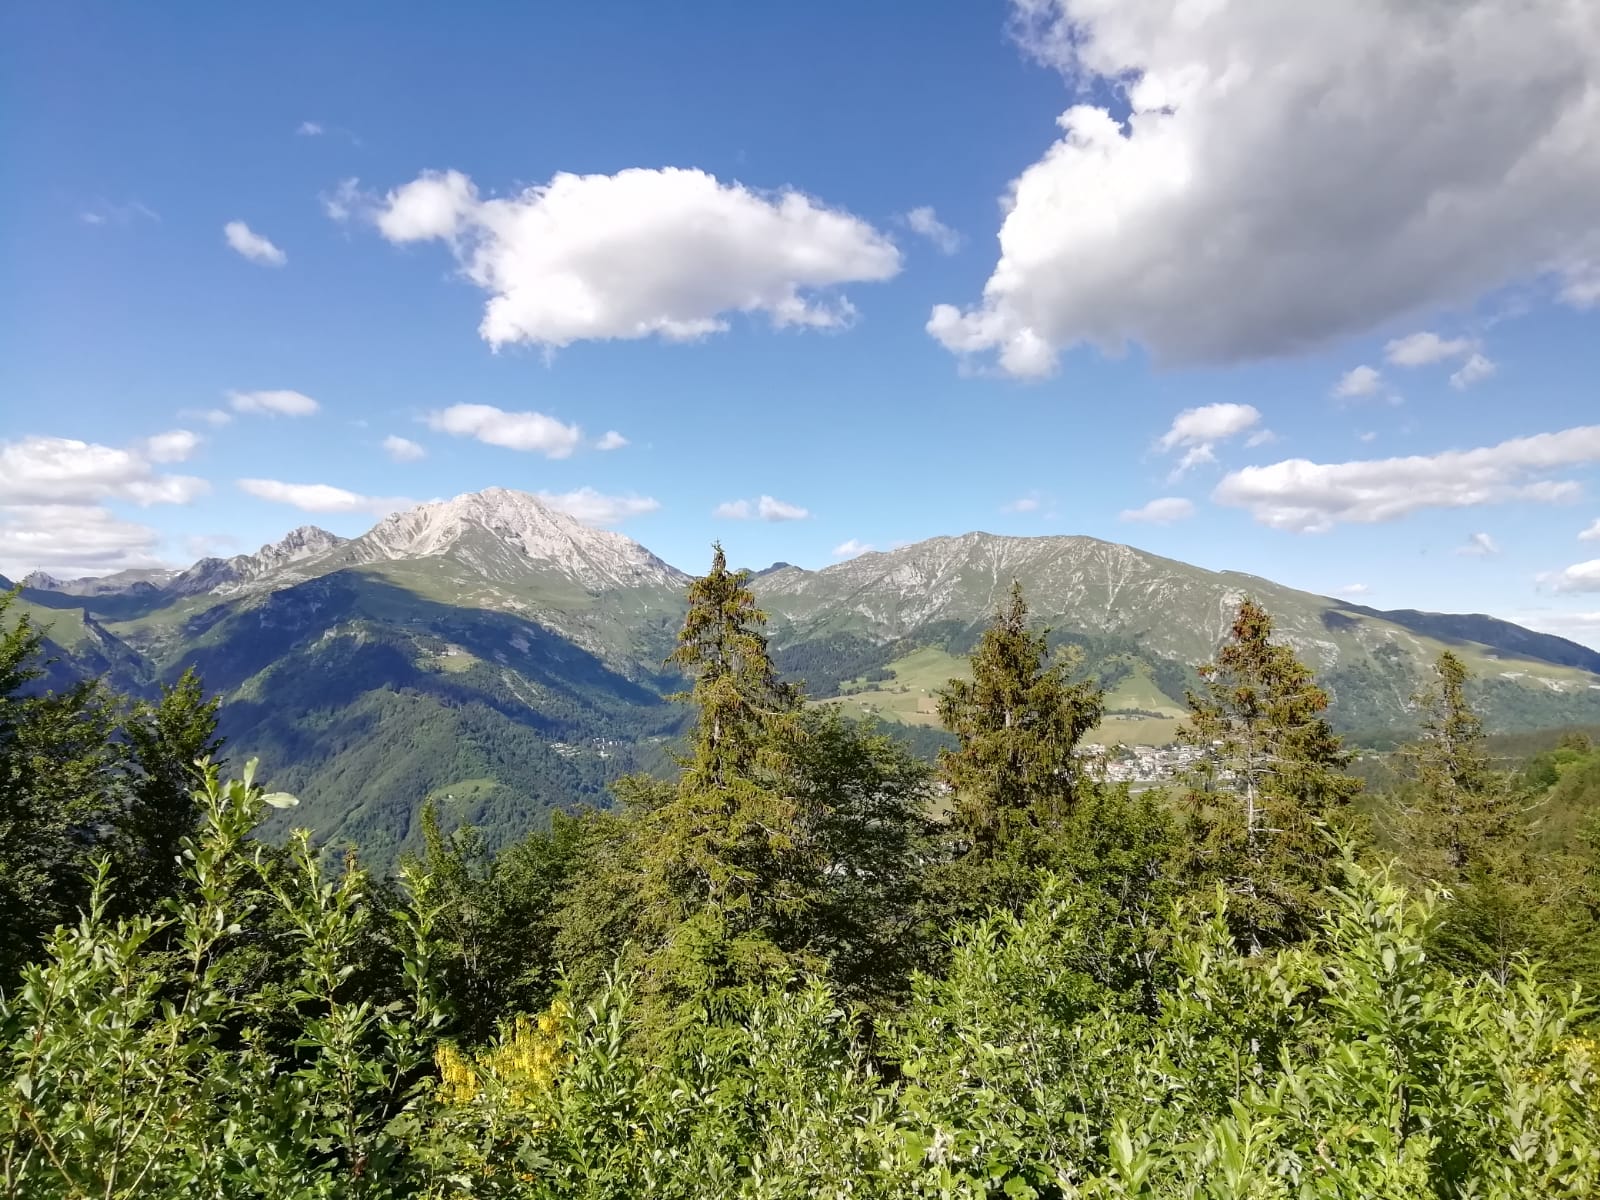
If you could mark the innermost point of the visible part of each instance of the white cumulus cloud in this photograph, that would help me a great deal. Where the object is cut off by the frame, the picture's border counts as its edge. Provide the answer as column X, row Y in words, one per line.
column 65, row 471
column 1161, row 512
column 1479, row 545
column 610, row 440
column 529, row 431
column 596, row 508
column 851, row 548
column 1288, row 174
column 1425, row 348
column 53, row 493
column 176, row 445
column 1591, row 534
column 322, row 497
column 402, row 450
column 1352, row 590
column 252, row 245
column 1310, row 497
column 1358, row 382
column 925, row 222
column 278, row 403
column 1200, row 429
column 1209, row 423
column 1476, row 369
column 1579, row 577
column 642, row 253
column 71, row 540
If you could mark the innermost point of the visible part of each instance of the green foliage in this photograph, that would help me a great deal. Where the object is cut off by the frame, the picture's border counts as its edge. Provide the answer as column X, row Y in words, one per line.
column 1353, row 1070
column 1465, row 827
column 1014, row 774
column 131, row 1072
column 862, row 800
column 720, row 859
column 775, row 975
column 1455, row 809
column 1054, row 1056
column 1269, row 787
column 86, row 773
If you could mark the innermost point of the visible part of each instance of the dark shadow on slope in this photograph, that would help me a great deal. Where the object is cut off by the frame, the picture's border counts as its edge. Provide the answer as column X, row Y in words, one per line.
column 1491, row 632
column 363, row 699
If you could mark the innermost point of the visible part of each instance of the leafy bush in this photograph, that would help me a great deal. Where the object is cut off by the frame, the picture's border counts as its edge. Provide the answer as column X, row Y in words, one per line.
column 131, row 1071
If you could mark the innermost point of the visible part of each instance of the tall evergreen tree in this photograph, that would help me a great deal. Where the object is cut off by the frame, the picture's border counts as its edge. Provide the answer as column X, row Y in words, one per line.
column 56, row 757
column 85, row 773
column 1463, row 826
column 1269, row 784
column 165, row 740
column 1455, row 812
column 1014, row 775
column 862, row 802
column 718, row 856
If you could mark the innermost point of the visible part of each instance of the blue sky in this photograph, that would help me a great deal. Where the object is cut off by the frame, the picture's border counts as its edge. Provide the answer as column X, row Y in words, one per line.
column 999, row 267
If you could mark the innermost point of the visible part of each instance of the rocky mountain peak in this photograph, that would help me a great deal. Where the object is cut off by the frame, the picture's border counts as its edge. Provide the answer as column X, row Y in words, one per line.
column 307, row 541
column 498, row 532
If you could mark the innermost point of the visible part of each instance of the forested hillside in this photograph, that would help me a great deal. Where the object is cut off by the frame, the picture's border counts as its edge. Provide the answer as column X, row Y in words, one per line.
column 800, row 961
column 501, row 657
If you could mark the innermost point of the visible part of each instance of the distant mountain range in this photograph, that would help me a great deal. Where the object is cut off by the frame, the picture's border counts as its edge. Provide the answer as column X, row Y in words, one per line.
column 497, row 652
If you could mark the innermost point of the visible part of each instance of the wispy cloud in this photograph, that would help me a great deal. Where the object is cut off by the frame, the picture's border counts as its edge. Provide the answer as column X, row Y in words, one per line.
column 322, row 497
column 597, row 508
column 925, row 222
column 275, row 403
column 1164, row 511
column 104, row 212
column 766, row 508
column 402, row 450
column 253, row 245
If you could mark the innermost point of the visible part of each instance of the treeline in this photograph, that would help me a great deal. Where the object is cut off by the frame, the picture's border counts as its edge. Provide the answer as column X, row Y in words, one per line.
column 809, row 964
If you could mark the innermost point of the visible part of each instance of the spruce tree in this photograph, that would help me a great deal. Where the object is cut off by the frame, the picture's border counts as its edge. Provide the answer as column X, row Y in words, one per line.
column 165, row 740
column 1014, row 775
column 1456, row 812
column 1462, row 827
column 85, row 774
column 1268, row 788
column 717, row 856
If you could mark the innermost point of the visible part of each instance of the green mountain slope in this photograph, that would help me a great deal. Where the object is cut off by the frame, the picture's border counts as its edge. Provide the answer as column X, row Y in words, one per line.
column 490, row 650
column 1132, row 612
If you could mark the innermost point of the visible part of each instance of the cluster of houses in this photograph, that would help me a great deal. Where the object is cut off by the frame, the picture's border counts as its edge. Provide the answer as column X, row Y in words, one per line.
column 1137, row 764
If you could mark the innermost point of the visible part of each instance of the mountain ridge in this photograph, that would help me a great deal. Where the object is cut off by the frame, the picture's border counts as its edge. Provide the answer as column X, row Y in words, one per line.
column 490, row 648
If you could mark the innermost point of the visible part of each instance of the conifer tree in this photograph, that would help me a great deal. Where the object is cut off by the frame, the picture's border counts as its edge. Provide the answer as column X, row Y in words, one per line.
column 1462, row 827
column 1269, row 786
column 85, row 773
column 716, row 856
column 1456, row 813
column 165, row 740
column 1013, row 774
